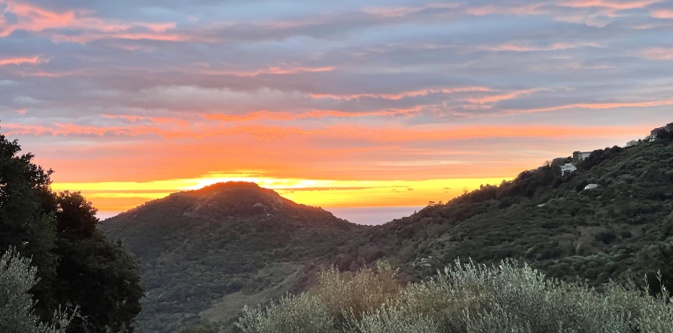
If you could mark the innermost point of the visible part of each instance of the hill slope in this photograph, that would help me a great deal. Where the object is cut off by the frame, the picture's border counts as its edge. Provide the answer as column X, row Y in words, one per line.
column 622, row 227
column 206, row 253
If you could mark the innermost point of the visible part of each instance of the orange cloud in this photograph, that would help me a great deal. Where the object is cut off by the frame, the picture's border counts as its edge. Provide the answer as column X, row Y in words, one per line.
column 88, row 37
column 593, row 106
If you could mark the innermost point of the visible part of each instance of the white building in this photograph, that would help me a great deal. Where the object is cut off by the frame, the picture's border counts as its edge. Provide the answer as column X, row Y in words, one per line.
column 591, row 187
column 632, row 143
column 568, row 168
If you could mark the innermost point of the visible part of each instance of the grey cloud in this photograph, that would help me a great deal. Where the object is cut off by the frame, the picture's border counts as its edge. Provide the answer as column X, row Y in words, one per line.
column 424, row 48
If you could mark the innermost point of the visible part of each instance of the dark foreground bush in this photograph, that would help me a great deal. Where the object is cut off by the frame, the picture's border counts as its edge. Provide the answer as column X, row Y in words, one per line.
column 465, row 297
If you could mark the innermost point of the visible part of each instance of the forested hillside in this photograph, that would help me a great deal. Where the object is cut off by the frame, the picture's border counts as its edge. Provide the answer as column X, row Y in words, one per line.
column 209, row 252
column 621, row 228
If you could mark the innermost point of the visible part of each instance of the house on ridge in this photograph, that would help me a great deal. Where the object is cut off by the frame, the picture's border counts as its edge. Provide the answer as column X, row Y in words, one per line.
column 580, row 155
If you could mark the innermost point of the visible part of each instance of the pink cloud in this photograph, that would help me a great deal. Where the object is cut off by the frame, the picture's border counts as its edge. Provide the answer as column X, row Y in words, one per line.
column 57, row 74
column 39, row 20
column 534, row 9
column 403, row 11
column 150, row 120
column 501, row 97
column 277, row 70
column 662, row 13
column 406, row 94
column 613, row 5
column 262, row 115
column 525, row 47
column 65, row 129
column 20, row 60
column 263, row 133
column 658, row 53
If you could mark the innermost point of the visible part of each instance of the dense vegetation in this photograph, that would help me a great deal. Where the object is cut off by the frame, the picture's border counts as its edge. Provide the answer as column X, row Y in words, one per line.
column 91, row 284
column 463, row 298
column 207, row 253
column 623, row 229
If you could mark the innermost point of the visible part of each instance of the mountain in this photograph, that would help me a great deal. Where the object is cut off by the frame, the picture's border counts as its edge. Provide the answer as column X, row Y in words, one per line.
column 207, row 253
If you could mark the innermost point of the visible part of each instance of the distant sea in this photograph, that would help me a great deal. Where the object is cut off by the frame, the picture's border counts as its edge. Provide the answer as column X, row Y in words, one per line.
column 359, row 215
column 373, row 215
column 106, row 215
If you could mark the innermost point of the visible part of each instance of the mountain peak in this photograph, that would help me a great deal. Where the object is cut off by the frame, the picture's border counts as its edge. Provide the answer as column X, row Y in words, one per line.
column 235, row 199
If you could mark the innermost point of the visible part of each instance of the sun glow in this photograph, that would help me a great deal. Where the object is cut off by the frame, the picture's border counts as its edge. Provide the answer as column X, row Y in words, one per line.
column 121, row 196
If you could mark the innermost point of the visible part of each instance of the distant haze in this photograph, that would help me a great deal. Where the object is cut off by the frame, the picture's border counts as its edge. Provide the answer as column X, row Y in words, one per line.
column 372, row 215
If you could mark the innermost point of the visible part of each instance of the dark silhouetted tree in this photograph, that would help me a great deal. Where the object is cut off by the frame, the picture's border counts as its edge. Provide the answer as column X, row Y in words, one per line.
column 76, row 265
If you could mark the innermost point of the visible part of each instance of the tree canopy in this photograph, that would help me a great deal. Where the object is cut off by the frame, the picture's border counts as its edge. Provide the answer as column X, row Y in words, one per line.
column 75, row 264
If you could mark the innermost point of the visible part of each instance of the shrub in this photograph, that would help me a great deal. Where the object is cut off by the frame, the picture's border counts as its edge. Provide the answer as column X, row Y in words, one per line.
column 344, row 294
column 302, row 313
column 17, row 315
column 464, row 298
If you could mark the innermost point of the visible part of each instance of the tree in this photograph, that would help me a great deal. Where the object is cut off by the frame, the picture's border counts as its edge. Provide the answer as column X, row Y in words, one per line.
column 24, row 222
column 75, row 214
column 75, row 264
column 102, row 278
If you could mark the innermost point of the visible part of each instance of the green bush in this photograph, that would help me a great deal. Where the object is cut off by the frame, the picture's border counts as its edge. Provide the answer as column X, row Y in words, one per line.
column 302, row 313
column 463, row 298
column 17, row 315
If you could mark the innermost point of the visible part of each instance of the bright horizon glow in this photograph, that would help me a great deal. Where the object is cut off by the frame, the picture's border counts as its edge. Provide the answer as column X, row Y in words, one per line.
column 122, row 196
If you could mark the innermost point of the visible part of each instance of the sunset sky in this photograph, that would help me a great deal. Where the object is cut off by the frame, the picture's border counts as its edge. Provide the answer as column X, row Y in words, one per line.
column 331, row 103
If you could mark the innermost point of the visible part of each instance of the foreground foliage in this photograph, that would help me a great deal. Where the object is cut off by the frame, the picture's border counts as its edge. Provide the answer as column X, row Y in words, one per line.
column 464, row 297
column 17, row 314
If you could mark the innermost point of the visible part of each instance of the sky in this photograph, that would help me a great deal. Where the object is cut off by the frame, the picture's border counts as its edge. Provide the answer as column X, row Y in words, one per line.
column 340, row 104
